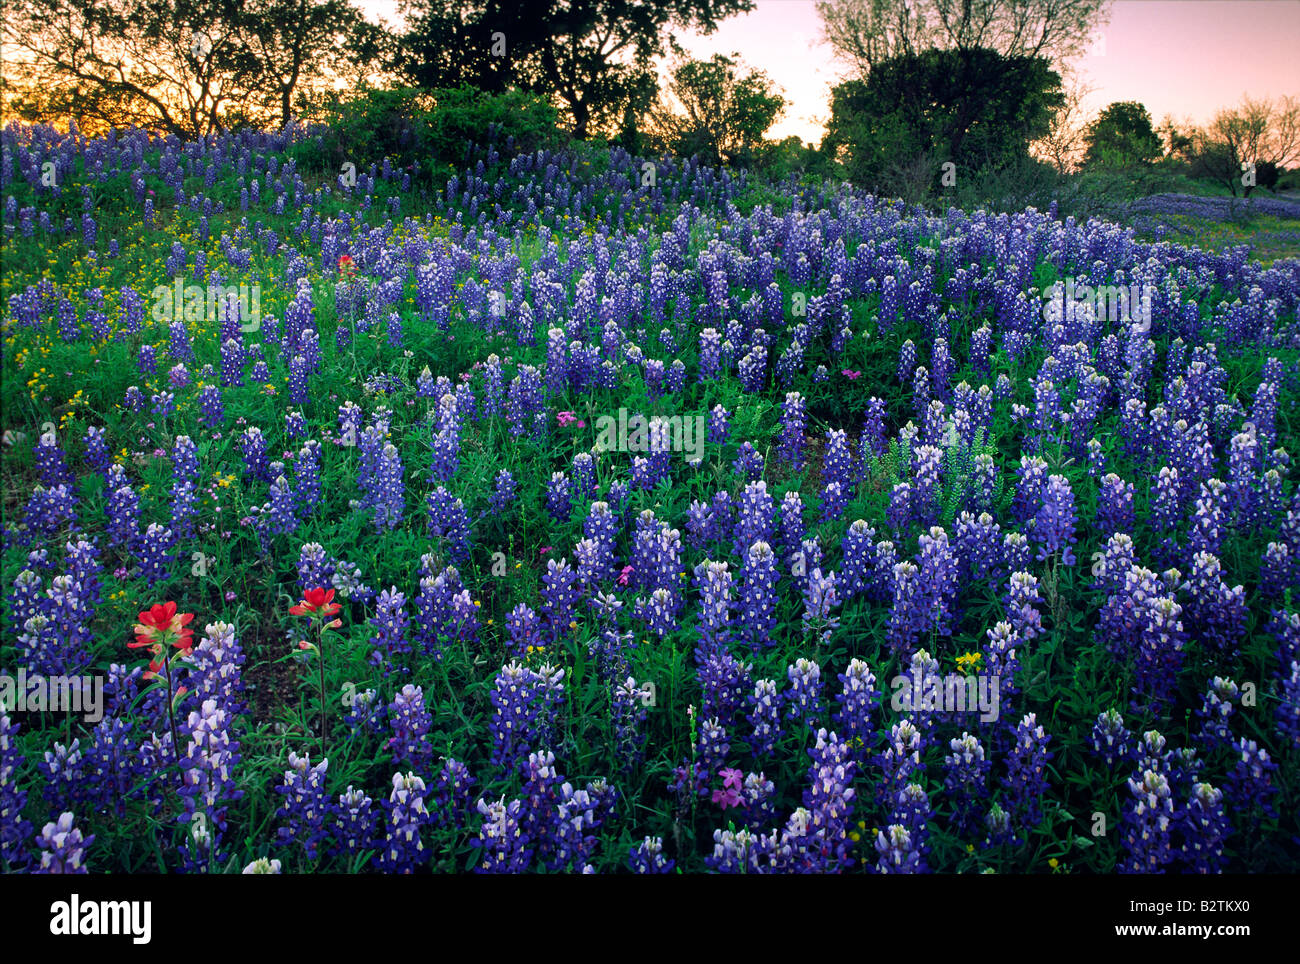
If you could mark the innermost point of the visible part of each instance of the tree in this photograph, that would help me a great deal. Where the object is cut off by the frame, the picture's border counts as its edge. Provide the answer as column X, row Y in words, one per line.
column 299, row 43
column 1063, row 144
column 595, row 57
column 181, row 67
column 868, row 32
column 1240, row 140
column 486, row 44
column 1122, row 136
column 975, row 108
column 723, row 114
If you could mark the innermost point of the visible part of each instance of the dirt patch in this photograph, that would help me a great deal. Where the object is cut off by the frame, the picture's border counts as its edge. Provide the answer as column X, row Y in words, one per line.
column 271, row 685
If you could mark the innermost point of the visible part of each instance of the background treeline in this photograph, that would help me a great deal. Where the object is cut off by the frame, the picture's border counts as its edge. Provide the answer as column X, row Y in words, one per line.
column 965, row 102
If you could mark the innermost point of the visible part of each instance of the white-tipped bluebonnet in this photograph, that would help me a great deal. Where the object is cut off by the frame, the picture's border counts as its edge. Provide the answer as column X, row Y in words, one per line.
column 1205, row 827
column 305, row 812
column 648, row 857
column 1250, row 784
column 764, row 718
column 1025, row 781
column 1148, row 819
column 402, row 850
column 411, row 723
column 62, row 847
column 804, row 698
column 966, row 772
column 1110, row 738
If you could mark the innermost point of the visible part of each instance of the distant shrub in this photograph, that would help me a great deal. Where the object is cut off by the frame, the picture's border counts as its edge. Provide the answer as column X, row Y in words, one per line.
column 413, row 124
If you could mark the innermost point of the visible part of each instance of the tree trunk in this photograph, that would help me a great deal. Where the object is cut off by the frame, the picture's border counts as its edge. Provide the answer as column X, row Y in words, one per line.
column 581, row 118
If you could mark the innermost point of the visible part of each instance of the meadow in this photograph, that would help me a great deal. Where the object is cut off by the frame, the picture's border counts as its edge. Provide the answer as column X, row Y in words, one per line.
column 961, row 576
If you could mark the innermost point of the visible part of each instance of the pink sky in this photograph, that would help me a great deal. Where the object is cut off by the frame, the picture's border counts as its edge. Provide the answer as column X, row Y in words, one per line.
column 1187, row 58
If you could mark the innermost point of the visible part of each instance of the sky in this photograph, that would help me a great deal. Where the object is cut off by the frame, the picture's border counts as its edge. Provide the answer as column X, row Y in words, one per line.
column 1182, row 58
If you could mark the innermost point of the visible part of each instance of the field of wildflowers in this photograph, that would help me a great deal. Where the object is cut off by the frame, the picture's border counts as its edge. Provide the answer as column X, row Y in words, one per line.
column 956, row 579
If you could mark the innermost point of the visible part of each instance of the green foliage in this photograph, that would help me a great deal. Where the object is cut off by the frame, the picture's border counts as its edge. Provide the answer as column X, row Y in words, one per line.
column 593, row 59
column 1121, row 136
column 411, row 124
column 723, row 113
column 973, row 108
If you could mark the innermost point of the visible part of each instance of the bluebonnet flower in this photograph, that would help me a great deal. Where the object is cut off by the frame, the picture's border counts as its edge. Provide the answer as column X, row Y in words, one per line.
column 518, row 697
column 50, row 465
column 1205, row 827
column 97, row 456
column 1015, row 552
column 1021, row 602
column 1031, row 477
column 208, row 783
column 1215, row 713
column 62, row 847
column 1278, row 569
column 628, row 712
column 648, row 857
column 559, row 597
column 749, row 463
column 803, row 700
column 390, row 624
column 764, row 718
column 1288, row 709
column 449, row 520
column 755, row 519
column 211, row 409
column 1115, row 505
column 900, row 761
column 819, row 599
column 966, row 781
column 504, row 492
column 402, row 850
column 389, row 489
column 451, row 794
column 926, row 487
column 937, row 584
column 1147, row 821
column 829, row 800
column 858, row 558
column 758, row 595
column 156, row 553
column 908, row 618
column 978, row 547
column 525, row 629
column 741, row 851
column 1161, row 641
column 502, row 840
column 1110, row 738
column 411, row 723
column 715, row 582
column 723, row 682
column 1249, row 784
column 1053, row 525
column 897, row 850
column 1026, row 778
column 215, row 664
column 857, row 699
column 64, row 778
column 306, row 809
column 794, row 414
column 899, row 513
